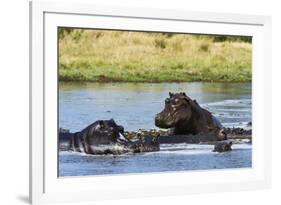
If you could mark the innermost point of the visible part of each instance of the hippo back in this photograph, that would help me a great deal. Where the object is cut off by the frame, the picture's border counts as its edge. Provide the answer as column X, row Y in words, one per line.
column 216, row 122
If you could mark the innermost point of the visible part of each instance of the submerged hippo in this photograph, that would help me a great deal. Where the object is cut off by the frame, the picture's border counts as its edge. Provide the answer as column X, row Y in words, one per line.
column 185, row 116
column 104, row 137
column 222, row 147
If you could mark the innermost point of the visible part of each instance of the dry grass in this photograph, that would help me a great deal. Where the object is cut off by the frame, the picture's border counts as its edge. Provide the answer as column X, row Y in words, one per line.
column 90, row 55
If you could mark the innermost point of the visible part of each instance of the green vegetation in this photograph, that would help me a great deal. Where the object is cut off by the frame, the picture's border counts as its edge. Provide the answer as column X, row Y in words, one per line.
column 105, row 56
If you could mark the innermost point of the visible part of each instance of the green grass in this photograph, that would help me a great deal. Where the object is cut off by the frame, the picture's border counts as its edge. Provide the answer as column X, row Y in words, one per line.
column 106, row 56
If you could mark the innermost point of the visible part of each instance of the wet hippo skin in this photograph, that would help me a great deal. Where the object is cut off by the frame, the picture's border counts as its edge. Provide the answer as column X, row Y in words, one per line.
column 104, row 137
column 222, row 146
column 182, row 115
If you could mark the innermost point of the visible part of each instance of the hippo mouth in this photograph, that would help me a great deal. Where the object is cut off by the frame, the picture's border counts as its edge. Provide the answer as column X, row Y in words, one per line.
column 122, row 139
column 163, row 123
column 114, row 149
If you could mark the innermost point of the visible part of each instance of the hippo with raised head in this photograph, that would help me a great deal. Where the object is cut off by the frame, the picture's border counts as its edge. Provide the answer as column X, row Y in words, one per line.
column 103, row 137
column 182, row 115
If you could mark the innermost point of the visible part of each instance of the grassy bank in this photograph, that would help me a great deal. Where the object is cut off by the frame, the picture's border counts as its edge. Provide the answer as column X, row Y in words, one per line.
column 89, row 55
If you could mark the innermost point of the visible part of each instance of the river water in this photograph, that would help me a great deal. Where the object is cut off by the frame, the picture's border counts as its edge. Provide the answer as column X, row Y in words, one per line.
column 134, row 105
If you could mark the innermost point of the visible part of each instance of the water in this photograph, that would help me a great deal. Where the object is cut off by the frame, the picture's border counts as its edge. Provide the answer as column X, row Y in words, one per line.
column 134, row 105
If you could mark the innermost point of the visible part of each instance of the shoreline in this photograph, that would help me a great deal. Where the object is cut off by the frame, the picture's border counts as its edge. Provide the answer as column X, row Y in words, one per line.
column 152, row 82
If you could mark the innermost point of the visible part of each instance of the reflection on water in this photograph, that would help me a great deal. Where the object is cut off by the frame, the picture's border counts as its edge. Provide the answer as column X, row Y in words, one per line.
column 134, row 105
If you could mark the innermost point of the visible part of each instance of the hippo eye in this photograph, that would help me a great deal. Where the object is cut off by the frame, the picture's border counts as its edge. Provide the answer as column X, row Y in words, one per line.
column 176, row 102
column 187, row 101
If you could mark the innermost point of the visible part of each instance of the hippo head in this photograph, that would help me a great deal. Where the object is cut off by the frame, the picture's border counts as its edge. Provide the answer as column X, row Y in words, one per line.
column 178, row 108
column 107, row 131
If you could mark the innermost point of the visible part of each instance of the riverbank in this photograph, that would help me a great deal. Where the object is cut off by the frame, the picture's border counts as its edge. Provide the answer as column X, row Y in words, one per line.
column 114, row 56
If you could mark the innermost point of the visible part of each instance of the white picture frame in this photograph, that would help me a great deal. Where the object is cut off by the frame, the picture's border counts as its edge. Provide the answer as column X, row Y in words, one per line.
column 46, row 187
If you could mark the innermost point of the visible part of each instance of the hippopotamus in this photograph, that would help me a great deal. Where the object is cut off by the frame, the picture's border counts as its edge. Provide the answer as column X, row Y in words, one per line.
column 146, row 144
column 222, row 146
column 104, row 137
column 183, row 115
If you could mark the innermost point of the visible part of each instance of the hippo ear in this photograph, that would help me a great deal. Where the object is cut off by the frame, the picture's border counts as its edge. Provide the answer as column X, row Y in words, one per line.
column 183, row 93
column 101, row 123
column 171, row 94
column 195, row 101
